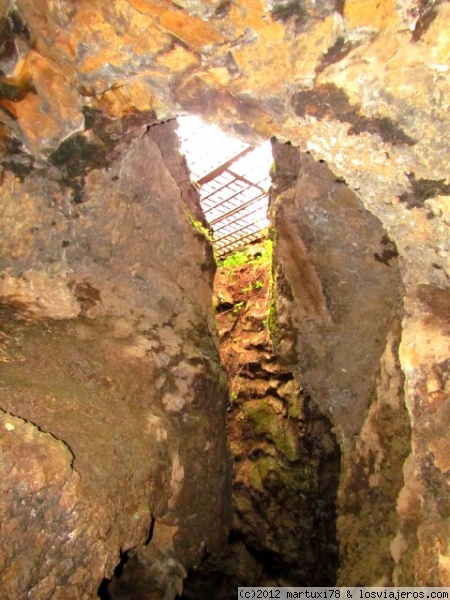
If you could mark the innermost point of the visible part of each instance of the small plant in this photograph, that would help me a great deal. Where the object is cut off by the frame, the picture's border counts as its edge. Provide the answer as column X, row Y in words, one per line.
column 199, row 227
column 237, row 308
column 247, row 256
column 236, row 259
column 253, row 286
column 267, row 251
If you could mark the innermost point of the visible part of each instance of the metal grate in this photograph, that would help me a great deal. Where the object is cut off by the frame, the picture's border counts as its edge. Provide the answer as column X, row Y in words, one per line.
column 234, row 181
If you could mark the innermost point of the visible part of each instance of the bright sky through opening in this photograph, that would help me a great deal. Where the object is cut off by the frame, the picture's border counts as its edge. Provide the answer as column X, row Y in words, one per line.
column 234, row 181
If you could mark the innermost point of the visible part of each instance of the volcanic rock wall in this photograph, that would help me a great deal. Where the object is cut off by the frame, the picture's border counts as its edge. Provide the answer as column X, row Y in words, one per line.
column 362, row 85
column 112, row 395
column 286, row 458
column 336, row 312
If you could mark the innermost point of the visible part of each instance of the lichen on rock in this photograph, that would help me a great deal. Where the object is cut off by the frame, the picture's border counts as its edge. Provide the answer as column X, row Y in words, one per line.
column 96, row 246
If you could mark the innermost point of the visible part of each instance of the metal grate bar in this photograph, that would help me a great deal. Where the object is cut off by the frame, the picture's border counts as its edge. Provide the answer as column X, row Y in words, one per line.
column 249, row 183
column 251, row 237
column 219, row 188
column 240, row 229
column 237, row 209
column 252, row 212
column 218, row 170
column 234, row 193
column 225, row 199
column 234, row 196
column 233, row 246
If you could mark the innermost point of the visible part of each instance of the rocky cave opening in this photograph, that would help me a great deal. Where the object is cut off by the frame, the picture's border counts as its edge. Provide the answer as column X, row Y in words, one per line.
column 285, row 445
column 139, row 457
column 275, row 300
column 286, row 461
column 285, row 457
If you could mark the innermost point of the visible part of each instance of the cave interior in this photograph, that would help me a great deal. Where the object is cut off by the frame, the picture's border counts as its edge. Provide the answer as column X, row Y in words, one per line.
column 232, row 368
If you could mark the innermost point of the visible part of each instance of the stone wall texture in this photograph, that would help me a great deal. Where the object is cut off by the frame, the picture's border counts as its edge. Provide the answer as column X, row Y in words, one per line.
column 103, row 335
column 112, row 394
column 336, row 311
column 286, row 458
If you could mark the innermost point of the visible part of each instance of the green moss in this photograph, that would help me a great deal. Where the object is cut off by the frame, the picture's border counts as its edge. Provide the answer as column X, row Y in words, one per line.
column 199, row 227
column 243, row 504
column 237, row 259
column 273, row 170
column 237, row 308
column 267, row 464
column 259, row 471
column 254, row 477
column 253, row 287
column 272, row 317
column 270, row 424
column 244, row 256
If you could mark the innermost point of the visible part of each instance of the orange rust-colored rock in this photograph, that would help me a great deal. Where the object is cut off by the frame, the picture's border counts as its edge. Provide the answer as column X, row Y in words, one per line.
column 50, row 111
column 363, row 86
column 378, row 14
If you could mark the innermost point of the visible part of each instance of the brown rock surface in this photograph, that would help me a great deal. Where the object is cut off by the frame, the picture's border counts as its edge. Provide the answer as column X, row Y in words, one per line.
column 339, row 285
column 337, row 299
column 361, row 85
column 286, row 458
column 107, row 356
